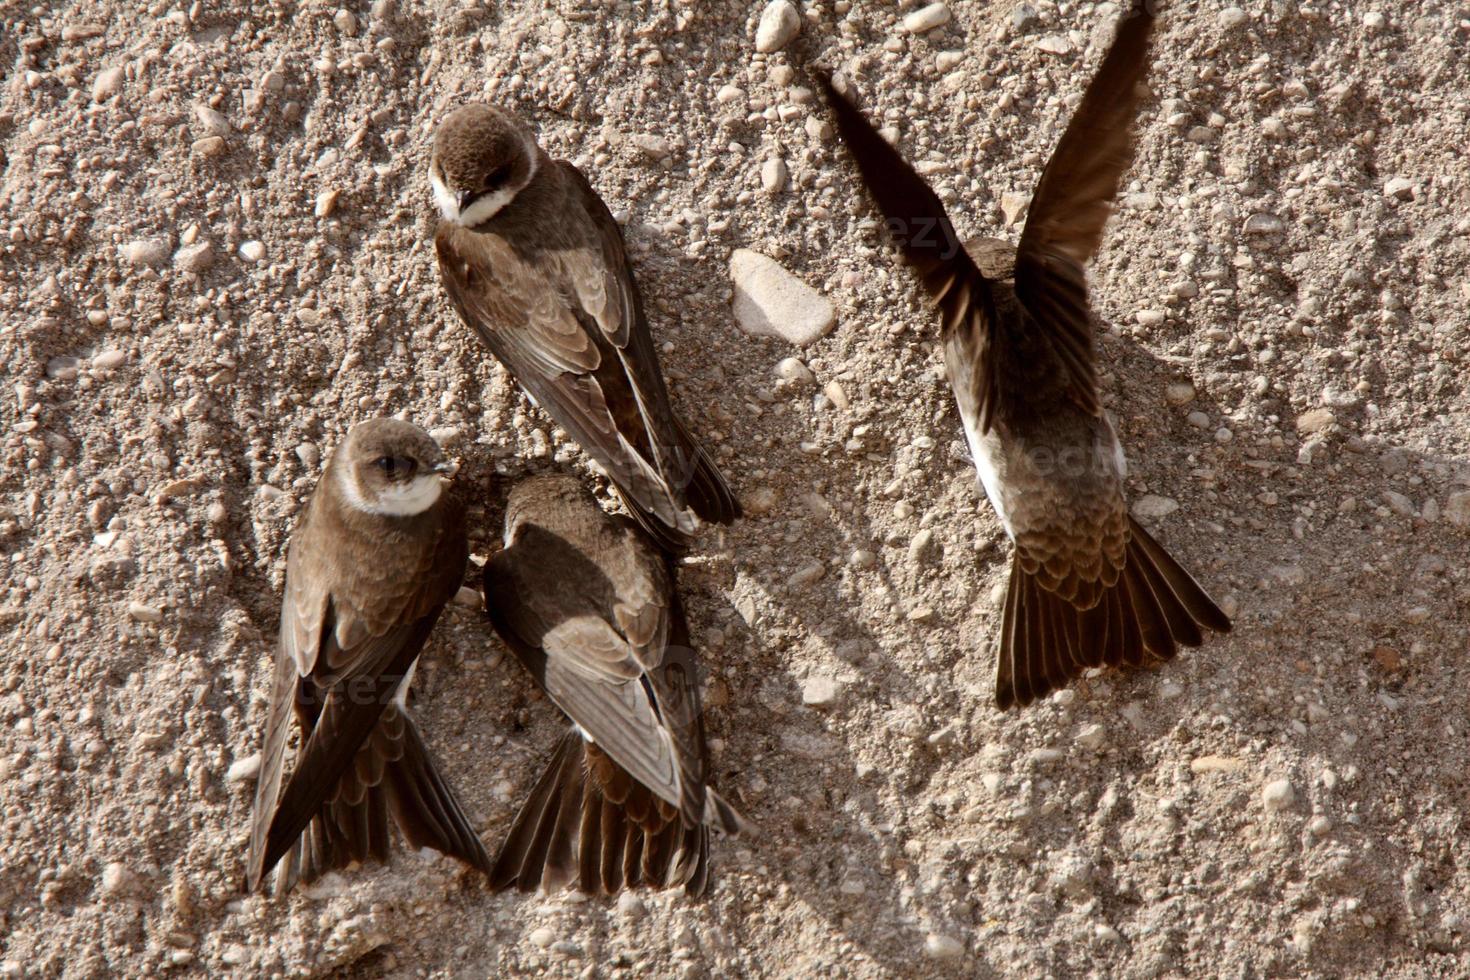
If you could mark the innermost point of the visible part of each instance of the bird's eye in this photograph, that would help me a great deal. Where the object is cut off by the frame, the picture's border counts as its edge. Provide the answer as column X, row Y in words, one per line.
column 396, row 467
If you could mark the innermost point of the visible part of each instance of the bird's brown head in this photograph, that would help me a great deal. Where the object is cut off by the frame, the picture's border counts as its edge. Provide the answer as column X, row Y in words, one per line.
column 536, row 493
column 483, row 156
column 391, row 468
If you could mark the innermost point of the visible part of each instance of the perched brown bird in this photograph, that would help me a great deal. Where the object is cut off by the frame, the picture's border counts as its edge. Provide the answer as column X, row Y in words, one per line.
column 379, row 552
column 1088, row 585
column 535, row 264
column 587, row 604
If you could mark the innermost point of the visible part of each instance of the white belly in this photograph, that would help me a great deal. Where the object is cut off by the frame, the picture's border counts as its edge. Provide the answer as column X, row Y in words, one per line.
column 989, row 457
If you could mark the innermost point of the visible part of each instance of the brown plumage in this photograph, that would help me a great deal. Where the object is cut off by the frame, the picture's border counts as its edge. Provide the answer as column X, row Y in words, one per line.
column 587, row 604
column 534, row 263
column 1088, row 586
column 363, row 591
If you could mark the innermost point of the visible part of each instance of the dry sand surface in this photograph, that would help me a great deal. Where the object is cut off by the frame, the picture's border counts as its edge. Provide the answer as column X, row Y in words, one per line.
column 214, row 258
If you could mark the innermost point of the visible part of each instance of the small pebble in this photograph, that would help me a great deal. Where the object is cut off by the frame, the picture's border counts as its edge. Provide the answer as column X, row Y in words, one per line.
column 144, row 613
column 771, row 302
column 1054, row 44
column 807, row 575
column 941, row 947
column 252, row 251
column 1149, row 318
column 1232, row 17
column 108, row 83
column 793, row 369
column 927, row 18
column 1264, row 223
column 213, row 121
column 345, row 21
column 1092, row 737
column 1314, row 421
column 631, row 905
column 1153, row 507
column 118, row 879
column 326, row 203
column 195, row 258
column 779, row 23
column 1456, row 509
column 151, row 252
column 1399, row 187
column 210, row 146
column 109, row 360
column 243, row 769
column 542, row 937
column 1179, row 393
column 1278, row 795
column 773, row 176
column 820, row 691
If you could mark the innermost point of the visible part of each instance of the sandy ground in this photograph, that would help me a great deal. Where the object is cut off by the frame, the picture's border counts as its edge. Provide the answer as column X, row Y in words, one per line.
column 191, row 320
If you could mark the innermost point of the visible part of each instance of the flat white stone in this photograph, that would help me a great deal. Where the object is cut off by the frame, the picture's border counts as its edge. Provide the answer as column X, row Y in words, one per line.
column 771, row 302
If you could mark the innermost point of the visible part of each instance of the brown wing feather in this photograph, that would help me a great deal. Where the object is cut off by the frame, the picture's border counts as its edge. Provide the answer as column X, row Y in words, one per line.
column 341, row 681
column 1074, row 198
column 927, row 240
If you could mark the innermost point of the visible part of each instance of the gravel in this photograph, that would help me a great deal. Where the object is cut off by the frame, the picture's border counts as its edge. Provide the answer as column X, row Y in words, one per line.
column 156, row 407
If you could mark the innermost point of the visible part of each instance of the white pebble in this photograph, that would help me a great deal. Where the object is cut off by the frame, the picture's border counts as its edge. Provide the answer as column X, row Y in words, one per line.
column 243, row 769
column 793, row 369
column 728, row 94
column 1278, row 795
column 1149, row 318
column 109, row 359
column 820, row 691
column 779, row 23
column 195, row 258
column 1232, row 17
column 807, row 575
column 213, row 121
column 1399, row 187
column 771, row 302
column 345, row 21
column 108, row 83
column 1374, row 21
column 146, row 251
column 1264, row 223
column 941, row 947
column 1152, row 507
column 773, row 176
column 117, row 879
column 1179, row 393
column 252, row 251
column 542, row 937
column 144, row 613
column 927, row 18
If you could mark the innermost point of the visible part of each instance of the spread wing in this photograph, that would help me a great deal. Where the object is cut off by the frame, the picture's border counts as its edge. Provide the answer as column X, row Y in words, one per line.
column 921, row 229
column 1074, row 198
column 594, row 635
column 569, row 326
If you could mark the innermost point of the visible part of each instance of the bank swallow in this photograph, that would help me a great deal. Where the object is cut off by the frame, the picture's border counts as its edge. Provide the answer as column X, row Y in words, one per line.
column 1088, row 585
column 380, row 550
column 587, row 604
column 534, row 262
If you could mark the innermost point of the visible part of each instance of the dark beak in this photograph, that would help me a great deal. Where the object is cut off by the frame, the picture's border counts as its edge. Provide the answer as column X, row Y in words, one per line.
column 447, row 467
column 466, row 198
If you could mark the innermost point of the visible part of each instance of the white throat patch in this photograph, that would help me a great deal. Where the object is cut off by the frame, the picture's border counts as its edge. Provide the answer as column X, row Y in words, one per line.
column 484, row 208
column 417, row 496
